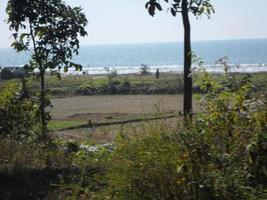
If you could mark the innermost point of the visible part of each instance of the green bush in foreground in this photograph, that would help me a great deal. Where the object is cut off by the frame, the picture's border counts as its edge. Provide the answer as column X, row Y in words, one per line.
column 47, row 170
column 33, row 171
column 221, row 156
column 18, row 112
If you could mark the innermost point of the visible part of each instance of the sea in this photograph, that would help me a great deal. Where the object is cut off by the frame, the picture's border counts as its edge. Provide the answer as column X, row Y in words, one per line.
column 244, row 56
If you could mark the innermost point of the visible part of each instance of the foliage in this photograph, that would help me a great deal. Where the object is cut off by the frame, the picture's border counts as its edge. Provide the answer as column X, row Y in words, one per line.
column 46, row 170
column 51, row 28
column 144, row 69
column 18, row 112
column 169, row 83
column 113, row 83
column 143, row 168
column 98, row 85
column 126, row 86
column 197, row 7
column 89, row 159
column 6, row 74
column 48, row 30
column 111, row 73
column 222, row 155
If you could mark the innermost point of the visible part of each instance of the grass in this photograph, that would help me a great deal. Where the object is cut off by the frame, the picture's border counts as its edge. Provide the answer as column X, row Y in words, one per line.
column 33, row 171
column 108, row 133
column 108, row 114
column 101, row 107
column 55, row 125
column 168, row 83
column 149, row 159
column 74, row 111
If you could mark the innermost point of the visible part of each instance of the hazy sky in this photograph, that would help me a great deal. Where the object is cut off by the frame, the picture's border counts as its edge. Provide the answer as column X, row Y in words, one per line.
column 127, row 21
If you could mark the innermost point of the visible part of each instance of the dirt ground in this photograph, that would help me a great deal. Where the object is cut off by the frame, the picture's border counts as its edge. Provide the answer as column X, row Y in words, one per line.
column 99, row 108
column 95, row 107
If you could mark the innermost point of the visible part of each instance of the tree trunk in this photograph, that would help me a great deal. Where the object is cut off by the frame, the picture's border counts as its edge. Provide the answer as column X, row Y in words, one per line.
column 187, row 61
column 42, row 84
column 42, row 102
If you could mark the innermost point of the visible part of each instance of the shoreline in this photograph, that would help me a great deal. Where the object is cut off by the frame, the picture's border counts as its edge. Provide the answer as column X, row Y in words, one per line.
column 135, row 70
column 137, row 73
column 173, row 68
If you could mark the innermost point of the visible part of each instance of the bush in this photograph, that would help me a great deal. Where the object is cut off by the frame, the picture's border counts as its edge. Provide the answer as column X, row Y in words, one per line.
column 125, row 86
column 83, row 91
column 34, row 171
column 12, row 72
column 6, row 74
column 220, row 156
column 144, row 69
column 57, row 91
column 18, row 112
column 144, row 168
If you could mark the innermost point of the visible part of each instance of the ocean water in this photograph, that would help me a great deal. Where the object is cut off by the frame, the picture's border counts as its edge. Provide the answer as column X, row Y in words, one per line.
column 243, row 56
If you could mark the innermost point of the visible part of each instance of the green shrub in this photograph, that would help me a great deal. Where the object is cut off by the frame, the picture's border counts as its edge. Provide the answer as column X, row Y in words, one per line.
column 6, row 74
column 18, row 112
column 30, row 170
column 144, row 69
column 57, row 91
column 81, row 90
column 220, row 156
column 125, row 87
column 144, row 168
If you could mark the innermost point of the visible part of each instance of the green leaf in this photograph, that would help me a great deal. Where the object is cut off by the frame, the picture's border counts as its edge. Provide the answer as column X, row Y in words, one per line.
column 173, row 11
column 158, row 6
column 18, row 46
column 202, row 9
column 208, row 11
column 151, row 10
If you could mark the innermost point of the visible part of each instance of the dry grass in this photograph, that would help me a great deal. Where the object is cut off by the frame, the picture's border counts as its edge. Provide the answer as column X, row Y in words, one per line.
column 107, row 134
column 64, row 108
column 108, row 108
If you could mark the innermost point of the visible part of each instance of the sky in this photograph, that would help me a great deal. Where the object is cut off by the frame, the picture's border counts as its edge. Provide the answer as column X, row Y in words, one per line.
column 127, row 21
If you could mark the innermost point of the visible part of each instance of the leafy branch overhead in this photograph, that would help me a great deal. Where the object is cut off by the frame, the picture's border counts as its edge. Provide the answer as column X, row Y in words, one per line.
column 47, row 29
column 196, row 7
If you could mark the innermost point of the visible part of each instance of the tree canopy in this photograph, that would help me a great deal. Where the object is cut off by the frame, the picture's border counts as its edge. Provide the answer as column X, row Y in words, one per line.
column 49, row 30
column 197, row 7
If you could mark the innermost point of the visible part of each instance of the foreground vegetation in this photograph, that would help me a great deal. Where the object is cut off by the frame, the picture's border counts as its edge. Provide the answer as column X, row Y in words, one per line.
column 221, row 154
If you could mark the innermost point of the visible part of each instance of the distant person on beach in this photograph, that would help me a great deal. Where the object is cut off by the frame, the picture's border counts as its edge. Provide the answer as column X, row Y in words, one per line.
column 157, row 74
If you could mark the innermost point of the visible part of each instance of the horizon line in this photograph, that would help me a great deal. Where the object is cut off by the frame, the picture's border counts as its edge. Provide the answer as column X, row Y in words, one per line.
column 177, row 41
column 163, row 42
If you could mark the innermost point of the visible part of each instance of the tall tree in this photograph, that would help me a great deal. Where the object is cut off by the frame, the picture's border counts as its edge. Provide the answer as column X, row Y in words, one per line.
column 197, row 8
column 49, row 31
